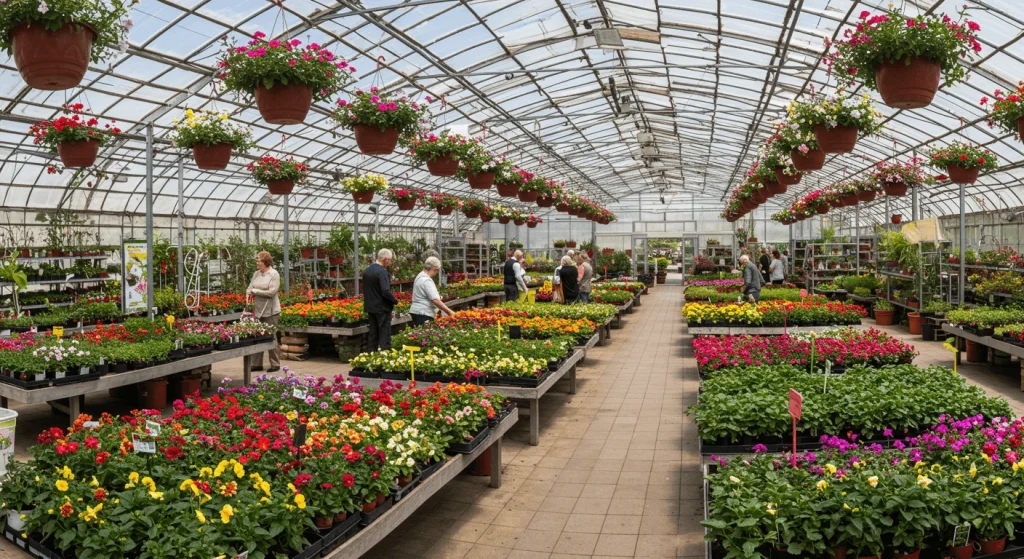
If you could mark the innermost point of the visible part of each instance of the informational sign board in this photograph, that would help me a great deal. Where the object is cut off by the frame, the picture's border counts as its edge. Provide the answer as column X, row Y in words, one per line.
column 134, row 266
column 796, row 404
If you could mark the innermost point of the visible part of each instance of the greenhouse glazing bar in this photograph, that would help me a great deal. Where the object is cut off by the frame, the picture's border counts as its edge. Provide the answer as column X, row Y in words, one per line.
column 149, row 220
column 181, row 224
column 287, row 276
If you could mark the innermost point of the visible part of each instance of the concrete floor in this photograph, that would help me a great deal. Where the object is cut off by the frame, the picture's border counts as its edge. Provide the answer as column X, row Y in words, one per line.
column 616, row 472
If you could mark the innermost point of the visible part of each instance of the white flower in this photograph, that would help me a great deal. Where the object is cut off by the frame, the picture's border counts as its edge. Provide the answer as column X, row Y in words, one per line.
column 43, row 8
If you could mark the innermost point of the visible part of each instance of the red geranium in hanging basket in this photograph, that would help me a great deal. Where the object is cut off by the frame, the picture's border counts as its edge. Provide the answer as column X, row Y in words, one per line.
column 378, row 118
column 284, row 77
column 1006, row 109
column 963, row 162
column 533, row 221
column 406, row 198
column 278, row 175
column 441, row 153
column 444, row 204
column 472, row 208
column 73, row 136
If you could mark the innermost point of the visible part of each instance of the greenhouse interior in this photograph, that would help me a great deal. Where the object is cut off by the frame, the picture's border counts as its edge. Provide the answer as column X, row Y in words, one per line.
column 730, row 279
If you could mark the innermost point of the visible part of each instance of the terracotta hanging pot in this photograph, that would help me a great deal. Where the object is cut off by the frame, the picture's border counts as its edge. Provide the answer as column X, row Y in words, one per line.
column 776, row 188
column 486, row 218
column 471, row 214
column 866, row 195
column 840, row 139
column 79, row 154
column 896, row 218
column 504, row 220
column 959, row 175
column 545, row 202
column 760, row 196
column 280, row 186
column 212, row 158
column 52, row 60
column 519, row 222
column 562, row 207
column 445, row 211
column 894, row 188
column 849, row 200
column 363, row 197
column 406, row 205
column 1020, row 127
column 531, row 225
column 508, row 189
column 904, row 86
column 374, row 141
column 823, row 209
column 787, row 180
column 749, row 205
column 284, row 104
column 443, row 166
column 481, row 181
column 813, row 161
column 528, row 195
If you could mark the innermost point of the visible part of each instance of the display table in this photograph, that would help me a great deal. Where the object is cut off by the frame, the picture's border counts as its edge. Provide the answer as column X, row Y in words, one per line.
column 755, row 330
column 987, row 341
column 75, row 392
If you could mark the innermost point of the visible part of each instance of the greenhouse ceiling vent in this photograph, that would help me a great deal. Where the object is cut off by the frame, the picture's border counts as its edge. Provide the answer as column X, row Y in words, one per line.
column 609, row 39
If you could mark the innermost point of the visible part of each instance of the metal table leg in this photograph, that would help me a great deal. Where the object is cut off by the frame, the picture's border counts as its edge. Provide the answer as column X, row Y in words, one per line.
column 496, row 463
column 534, row 422
column 572, row 380
column 246, row 370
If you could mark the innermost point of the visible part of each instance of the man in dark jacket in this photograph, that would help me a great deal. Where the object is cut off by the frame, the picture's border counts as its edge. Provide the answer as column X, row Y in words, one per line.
column 378, row 301
column 512, row 273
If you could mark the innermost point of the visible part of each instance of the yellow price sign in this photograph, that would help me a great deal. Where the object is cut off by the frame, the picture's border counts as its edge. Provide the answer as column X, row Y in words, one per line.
column 170, row 320
column 951, row 346
column 58, row 331
column 412, row 349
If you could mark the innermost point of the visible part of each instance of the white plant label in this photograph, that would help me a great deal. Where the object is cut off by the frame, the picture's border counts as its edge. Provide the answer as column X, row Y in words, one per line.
column 143, row 446
column 153, row 428
column 91, row 425
column 299, row 393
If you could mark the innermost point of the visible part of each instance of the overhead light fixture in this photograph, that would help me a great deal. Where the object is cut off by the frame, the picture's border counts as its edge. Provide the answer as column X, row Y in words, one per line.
column 509, row 76
column 645, row 138
column 587, row 25
column 648, row 151
column 609, row 39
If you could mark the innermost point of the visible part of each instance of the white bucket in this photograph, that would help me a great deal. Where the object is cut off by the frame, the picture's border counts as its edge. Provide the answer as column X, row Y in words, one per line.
column 8, row 420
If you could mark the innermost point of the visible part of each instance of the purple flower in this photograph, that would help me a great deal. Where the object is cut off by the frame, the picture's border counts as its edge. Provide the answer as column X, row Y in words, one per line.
column 760, row 448
column 887, row 432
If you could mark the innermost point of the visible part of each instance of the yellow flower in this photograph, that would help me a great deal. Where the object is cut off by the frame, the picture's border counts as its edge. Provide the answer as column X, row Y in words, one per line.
column 190, row 113
column 239, row 470
column 91, row 512
column 821, row 485
column 159, row 496
column 95, row 482
column 936, row 468
column 200, row 516
column 873, row 481
column 973, row 471
column 220, row 468
column 846, row 506
column 291, row 415
column 206, row 472
column 300, row 500
column 149, row 483
column 830, row 469
column 62, row 485
column 923, row 481
column 770, row 510
column 66, row 473
column 226, row 513
column 997, row 481
column 223, row 116
column 133, row 477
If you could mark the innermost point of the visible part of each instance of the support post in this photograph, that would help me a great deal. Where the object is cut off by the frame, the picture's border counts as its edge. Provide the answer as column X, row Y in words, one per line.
column 287, row 246
column 149, row 222
column 913, row 204
column 856, row 231
column 181, row 224
column 593, row 235
column 355, row 239
column 963, row 249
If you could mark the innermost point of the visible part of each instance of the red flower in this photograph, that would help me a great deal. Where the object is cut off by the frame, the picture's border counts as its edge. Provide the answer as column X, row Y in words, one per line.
column 964, row 157
column 173, row 453
column 66, row 510
column 348, row 480
column 102, row 457
column 100, row 495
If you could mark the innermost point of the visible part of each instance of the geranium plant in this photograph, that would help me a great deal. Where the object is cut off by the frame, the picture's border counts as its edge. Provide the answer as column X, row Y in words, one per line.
column 406, row 198
column 441, row 153
column 273, row 172
column 895, row 177
column 882, row 47
column 799, row 142
column 69, row 135
column 962, row 161
column 383, row 110
column 473, row 207
column 1006, row 110
column 438, row 201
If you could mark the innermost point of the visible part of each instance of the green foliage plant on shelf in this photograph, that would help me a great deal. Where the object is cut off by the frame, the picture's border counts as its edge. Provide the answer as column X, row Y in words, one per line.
column 108, row 19
column 12, row 272
column 263, row 63
column 883, row 305
column 383, row 110
column 209, row 128
column 985, row 317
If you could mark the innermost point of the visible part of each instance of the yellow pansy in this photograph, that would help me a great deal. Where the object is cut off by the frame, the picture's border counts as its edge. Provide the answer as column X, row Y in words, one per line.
column 200, row 516
column 997, row 481
column 821, row 485
column 830, row 469
column 159, row 496
column 62, row 485
column 973, row 471
column 873, row 481
column 226, row 513
column 924, row 481
column 239, row 470
column 300, row 500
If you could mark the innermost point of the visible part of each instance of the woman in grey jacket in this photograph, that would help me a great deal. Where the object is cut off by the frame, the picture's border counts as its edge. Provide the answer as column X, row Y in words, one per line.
column 263, row 288
column 586, row 275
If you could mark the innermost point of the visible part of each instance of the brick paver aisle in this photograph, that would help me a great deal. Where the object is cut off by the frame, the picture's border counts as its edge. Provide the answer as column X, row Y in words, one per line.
column 616, row 472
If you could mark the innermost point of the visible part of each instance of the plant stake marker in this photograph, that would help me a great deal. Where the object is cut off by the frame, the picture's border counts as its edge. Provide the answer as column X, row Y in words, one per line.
column 412, row 349
column 948, row 344
column 58, row 331
column 796, row 406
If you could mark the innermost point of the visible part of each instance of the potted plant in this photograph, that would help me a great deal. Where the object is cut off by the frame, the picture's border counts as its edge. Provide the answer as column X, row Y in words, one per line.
column 963, row 162
column 53, row 42
column 503, row 214
column 444, row 204
column 530, row 190
column 771, row 157
column 799, row 142
column 508, row 182
column 533, row 221
column 1007, row 110
column 905, row 58
column 897, row 176
column 867, row 189
column 284, row 77
column 278, row 175
column 488, row 214
column 472, row 208
column 441, row 153
column 883, row 312
column 212, row 137
column 363, row 187
column 517, row 217
column 406, row 198
column 896, row 219
column 837, row 120
column 559, row 243
column 378, row 119
column 550, row 194
column 480, row 167
column 75, row 138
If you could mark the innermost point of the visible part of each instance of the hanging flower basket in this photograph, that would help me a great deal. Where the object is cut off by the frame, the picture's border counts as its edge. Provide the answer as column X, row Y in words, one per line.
column 531, row 225
column 908, row 86
column 212, row 158
column 480, row 181
column 508, row 189
column 406, row 205
column 446, row 210
column 813, row 160
column 486, row 217
column 894, row 188
column 278, row 175
column 545, row 202
column 850, row 200
column 78, row 154
column 786, row 180
column 960, row 175
column 284, row 104
column 504, row 220
column 52, row 60
column 443, row 166
column 822, row 209
column 363, row 187
column 840, row 139
column 896, row 218
column 280, row 186
column 471, row 214
column 562, row 207
column 374, row 141
column 866, row 195
column 775, row 188
column 760, row 196
column 363, row 197
column 519, row 222
column 528, row 195
column 406, row 198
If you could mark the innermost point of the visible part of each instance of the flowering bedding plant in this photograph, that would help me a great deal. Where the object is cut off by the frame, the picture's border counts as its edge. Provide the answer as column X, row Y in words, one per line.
column 985, row 317
column 839, row 110
column 844, row 348
column 1006, row 109
column 383, row 110
column 263, row 63
column 813, row 311
column 477, row 160
column 902, row 172
column 109, row 19
column 404, row 194
column 269, row 168
column 209, row 128
column 227, row 476
column 367, row 182
column 429, row 147
column 790, row 136
column 437, row 201
column 596, row 313
column 334, row 310
column 964, row 155
column 894, row 37
column 70, row 129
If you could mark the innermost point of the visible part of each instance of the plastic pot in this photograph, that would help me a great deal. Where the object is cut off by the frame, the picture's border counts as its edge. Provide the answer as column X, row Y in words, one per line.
column 212, row 158
column 190, row 386
column 374, row 141
column 156, row 394
column 78, row 154
column 916, row 554
column 363, row 197
column 994, row 546
column 528, row 195
column 443, row 166
column 508, row 189
column 813, row 160
column 908, row 86
column 840, row 139
column 445, row 211
column 822, row 209
column 849, row 200
column 959, row 175
column 896, row 218
column 977, row 353
column 472, row 214
column 284, row 104
column 519, row 222
column 963, row 551
column 866, row 195
column 787, row 180
column 280, row 187
column 884, row 318
column 406, row 205
column 545, row 202
column 482, row 465
column 371, row 506
column 52, row 60
column 914, row 318
column 894, row 188
column 481, row 181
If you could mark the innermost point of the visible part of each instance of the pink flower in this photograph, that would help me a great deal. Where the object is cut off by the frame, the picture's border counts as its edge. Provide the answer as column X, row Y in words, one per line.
column 382, row 107
column 910, row 23
column 375, row 99
column 342, row 102
column 973, row 26
column 292, row 62
column 392, row 106
column 259, row 35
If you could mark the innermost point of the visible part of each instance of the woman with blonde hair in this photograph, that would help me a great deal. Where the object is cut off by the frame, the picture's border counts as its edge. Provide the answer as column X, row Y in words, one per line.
column 263, row 288
column 568, row 276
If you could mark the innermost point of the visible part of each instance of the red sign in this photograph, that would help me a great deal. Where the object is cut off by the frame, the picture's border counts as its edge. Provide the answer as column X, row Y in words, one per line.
column 796, row 403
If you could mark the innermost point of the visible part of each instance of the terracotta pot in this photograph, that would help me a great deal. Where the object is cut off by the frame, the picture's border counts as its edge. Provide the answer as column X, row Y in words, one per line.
column 760, row 196
column 963, row 552
column 813, row 161
column 748, row 205
column 519, row 222
column 896, row 218
column 840, row 139
column 284, row 104
column 340, row 517
column 545, row 202
column 406, row 204
column 336, row 260
column 78, row 154
column 190, row 386
column 528, row 195
column 445, row 211
column 212, row 158
column 532, row 225
column 482, row 181
column 959, row 175
column 894, row 188
column 324, row 522
column 774, row 188
column 374, row 141
column 508, row 189
column 1020, row 127
column 915, row 323
column 52, row 60
column 849, row 200
column 994, row 546
column 363, row 197
column 280, row 186
column 822, row 209
column 156, row 394
column 472, row 214
column 838, row 553
column 443, row 166
column 504, row 220
column 884, row 318
column 371, row 506
column 306, row 253
column 562, row 207
column 916, row 554
column 904, row 86
column 486, row 218
column 977, row 353
column 786, row 180
column 866, row 195
column 405, row 480
column 381, row 498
